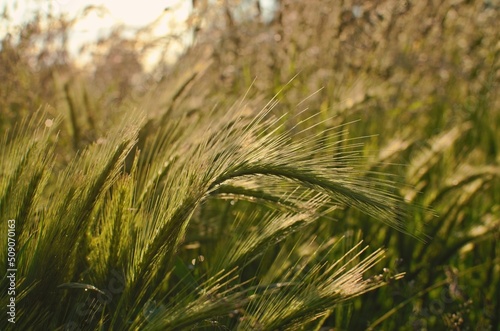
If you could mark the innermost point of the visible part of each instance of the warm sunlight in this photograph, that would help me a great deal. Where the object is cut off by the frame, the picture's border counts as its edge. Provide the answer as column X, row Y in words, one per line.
column 169, row 17
column 135, row 13
column 249, row 165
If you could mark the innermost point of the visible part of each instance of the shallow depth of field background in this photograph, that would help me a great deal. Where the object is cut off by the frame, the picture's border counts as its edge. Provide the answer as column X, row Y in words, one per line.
column 414, row 83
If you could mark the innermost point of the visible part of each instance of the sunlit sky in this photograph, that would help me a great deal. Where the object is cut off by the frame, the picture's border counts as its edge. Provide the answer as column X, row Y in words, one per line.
column 96, row 23
column 135, row 13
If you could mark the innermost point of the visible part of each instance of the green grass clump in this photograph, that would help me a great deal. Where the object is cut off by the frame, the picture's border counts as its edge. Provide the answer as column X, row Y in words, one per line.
column 97, row 222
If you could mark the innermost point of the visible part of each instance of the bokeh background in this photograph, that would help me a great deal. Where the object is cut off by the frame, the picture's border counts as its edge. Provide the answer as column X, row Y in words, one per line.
column 417, row 80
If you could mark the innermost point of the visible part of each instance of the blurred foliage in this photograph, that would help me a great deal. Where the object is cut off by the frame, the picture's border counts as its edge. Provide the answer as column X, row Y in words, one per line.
column 420, row 76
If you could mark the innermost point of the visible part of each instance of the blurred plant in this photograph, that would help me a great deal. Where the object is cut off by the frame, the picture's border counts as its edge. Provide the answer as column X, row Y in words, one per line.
column 131, row 225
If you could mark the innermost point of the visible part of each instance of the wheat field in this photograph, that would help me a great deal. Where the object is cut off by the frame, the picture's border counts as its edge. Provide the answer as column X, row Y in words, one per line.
column 333, row 168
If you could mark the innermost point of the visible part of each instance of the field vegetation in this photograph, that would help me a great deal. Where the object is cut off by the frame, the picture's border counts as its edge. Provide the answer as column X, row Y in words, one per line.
column 334, row 166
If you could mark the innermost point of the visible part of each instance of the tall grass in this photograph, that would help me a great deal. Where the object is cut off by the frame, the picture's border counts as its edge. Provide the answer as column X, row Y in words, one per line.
column 103, row 221
column 192, row 201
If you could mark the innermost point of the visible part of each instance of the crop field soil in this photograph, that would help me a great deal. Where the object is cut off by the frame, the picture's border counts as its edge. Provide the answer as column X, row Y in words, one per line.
column 332, row 166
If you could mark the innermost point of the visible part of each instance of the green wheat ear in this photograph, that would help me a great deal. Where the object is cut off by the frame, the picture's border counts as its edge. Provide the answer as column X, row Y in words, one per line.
column 107, row 216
